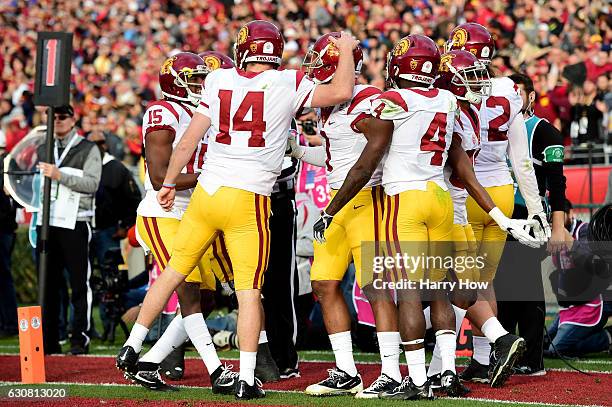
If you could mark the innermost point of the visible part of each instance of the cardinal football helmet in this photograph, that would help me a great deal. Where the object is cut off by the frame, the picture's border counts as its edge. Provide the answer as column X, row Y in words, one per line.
column 176, row 77
column 415, row 58
column 474, row 38
column 258, row 41
column 464, row 75
column 216, row 60
column 321, row 60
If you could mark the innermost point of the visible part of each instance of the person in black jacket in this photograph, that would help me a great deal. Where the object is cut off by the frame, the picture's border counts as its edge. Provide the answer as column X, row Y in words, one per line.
column 528, row 314
column 117, row 198
column 8, row 300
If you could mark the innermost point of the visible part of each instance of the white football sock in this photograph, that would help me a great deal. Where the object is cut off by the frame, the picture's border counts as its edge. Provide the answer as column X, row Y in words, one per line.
column 427, row 315
column 492, row 329
column 435, row 366
column 389, row 345
column 482, row 349
column 137, row 337
column 173, row 337
column 446, row 341
column 416, row 366
column 248, row 360
column 196, row 328
column 263, row 337
column 342, row 345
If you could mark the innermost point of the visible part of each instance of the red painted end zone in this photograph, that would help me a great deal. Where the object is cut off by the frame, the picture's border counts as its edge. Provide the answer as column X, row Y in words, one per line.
column 556, row 387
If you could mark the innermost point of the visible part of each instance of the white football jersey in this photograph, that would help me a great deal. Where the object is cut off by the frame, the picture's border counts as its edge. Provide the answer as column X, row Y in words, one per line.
column 173, row 116
column 423, row 126
column 496, row 113
column 467, row 127
column 250, row 116
column 343, row 142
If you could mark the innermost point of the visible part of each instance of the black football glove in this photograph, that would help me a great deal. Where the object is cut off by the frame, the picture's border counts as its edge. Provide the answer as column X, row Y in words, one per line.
column 321, row 225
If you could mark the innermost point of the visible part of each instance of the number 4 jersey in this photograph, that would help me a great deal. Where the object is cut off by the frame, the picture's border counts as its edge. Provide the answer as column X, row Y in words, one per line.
column 174, row 117
column 423, row 121
column 250, row 117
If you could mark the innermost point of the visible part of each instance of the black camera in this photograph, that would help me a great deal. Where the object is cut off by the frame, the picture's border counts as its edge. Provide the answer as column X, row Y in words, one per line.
column 309, row 127
column 110, row 288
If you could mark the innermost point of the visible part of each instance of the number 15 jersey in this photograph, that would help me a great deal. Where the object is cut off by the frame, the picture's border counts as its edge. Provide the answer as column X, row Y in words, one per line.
column 250, row 117
column 423, row 122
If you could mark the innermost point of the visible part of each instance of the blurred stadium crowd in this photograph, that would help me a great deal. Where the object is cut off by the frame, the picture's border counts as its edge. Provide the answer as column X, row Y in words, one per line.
column 119, row 45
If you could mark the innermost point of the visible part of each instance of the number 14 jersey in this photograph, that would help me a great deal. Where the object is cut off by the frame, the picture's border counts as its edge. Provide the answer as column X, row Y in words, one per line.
column 423, row 126
column 250, row 117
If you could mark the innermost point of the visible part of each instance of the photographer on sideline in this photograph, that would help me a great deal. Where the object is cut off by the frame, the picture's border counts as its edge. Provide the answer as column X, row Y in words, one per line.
column 75, row 173
column 580, row 327
column 117, row 198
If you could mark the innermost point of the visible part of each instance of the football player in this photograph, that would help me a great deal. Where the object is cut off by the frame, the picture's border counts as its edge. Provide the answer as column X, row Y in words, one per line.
column 413, row 125
column 357, row 222
column 468, row 79
column 502, row 134
column 164, row 123
column 249, row 110
column 410, row 122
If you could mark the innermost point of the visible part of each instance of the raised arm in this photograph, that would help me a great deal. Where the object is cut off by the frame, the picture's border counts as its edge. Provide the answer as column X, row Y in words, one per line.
column 340, row 89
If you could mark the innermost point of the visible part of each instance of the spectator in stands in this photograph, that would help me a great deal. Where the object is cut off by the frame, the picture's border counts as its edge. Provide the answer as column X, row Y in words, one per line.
column 587, row 114
column 75, row 173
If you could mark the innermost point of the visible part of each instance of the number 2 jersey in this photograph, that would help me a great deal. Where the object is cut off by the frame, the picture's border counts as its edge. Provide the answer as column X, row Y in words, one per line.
column 250, row 117
column 496, row 114
column 174, row 117
column 343, row 142
column 423, row 122
column 467, row 127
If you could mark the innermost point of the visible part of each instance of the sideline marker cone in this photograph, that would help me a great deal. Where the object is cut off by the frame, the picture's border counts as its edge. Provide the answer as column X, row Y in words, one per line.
column 31, row 351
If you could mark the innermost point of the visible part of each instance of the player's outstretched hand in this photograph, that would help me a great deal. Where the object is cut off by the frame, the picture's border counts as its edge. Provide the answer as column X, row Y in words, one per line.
column 165, row 197
column 293, row 149
column 320, row 226
column 541, row 230
column 518, row 228
column 346, row 42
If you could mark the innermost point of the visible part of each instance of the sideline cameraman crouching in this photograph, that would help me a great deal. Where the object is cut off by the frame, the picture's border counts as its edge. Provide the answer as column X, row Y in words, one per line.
column 75, row 174
column 584, row 273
